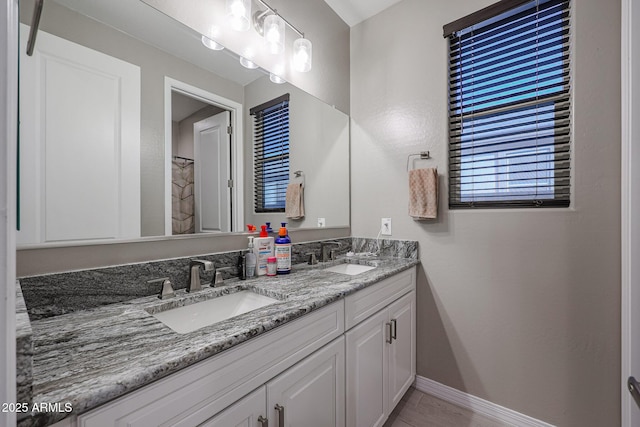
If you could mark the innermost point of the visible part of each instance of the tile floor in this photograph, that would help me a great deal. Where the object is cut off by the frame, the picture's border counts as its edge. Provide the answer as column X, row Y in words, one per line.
column 418, row 409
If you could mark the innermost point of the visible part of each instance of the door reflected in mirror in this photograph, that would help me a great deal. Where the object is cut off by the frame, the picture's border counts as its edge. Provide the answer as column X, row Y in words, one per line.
column 201, row 165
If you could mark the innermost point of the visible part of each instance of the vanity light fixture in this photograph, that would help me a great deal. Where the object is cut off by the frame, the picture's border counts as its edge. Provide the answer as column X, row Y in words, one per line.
column 271, row 26
column 239, row 14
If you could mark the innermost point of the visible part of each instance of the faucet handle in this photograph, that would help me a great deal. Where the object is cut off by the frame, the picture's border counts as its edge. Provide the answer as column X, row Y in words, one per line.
column 217, row 279
column 312, row 258
column 167, row 289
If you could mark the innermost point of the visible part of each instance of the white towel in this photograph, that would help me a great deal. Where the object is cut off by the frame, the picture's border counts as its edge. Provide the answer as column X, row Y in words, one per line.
column 294, row 203
column 423, row 193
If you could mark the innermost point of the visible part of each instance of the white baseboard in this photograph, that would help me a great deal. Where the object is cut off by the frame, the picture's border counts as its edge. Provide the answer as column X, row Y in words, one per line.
column 476, row 404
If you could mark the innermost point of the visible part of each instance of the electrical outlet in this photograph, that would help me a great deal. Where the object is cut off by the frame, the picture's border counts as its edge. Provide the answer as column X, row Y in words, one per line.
column 385, row 226
column 321, row 222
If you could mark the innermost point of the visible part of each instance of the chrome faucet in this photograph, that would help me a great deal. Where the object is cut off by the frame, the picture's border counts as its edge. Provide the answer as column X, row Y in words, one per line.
column 332, row 253
column 194, row 273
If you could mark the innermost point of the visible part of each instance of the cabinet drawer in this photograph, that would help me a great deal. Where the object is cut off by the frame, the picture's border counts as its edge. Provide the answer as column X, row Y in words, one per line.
column 193, row 395
column 366, row 302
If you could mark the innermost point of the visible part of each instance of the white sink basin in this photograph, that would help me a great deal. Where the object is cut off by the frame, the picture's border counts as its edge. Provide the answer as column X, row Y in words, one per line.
column 350, row 269
column 195, row 316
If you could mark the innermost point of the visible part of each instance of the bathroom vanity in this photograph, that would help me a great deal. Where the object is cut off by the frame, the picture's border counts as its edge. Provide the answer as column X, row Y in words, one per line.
column 334, row 349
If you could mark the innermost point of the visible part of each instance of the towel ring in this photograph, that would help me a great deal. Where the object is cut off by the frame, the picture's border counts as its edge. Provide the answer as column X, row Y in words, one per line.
column 424, row 155
column 299, row 174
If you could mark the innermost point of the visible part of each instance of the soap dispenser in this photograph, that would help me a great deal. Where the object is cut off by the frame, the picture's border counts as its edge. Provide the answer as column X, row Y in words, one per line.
column 263, row 249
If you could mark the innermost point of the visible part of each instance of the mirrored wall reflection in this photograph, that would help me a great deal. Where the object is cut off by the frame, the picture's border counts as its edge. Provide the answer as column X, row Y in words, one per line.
column 151, row 47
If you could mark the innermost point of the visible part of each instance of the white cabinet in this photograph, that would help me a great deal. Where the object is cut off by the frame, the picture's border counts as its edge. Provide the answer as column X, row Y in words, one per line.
column 402, row 350
column 310, row 394
column 249, row 411
column 380, row 355
column 367, row 362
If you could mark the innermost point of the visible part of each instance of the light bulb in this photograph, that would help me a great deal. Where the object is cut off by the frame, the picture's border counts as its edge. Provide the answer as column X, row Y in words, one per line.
column 276, row 79
column 239, row 13
column 274, row 34
column 302, row 55
column 211, row 44
column 246, row 63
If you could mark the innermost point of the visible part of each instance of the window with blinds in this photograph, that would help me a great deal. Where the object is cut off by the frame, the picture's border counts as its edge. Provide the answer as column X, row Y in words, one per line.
column 271, row 154
column 510, row 106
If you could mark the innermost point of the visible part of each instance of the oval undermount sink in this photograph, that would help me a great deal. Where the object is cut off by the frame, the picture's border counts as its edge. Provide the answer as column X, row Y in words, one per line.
column 195, row 316
column 350, row 269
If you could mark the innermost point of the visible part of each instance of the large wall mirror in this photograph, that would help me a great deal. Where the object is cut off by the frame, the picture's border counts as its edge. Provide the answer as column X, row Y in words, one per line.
column 131, row 128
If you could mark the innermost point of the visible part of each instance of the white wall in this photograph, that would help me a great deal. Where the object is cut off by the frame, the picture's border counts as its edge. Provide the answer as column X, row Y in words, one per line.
column 519, row 307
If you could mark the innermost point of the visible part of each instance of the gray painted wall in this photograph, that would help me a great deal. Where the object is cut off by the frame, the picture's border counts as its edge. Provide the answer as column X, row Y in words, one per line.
column 319, row 146
column 519, row 307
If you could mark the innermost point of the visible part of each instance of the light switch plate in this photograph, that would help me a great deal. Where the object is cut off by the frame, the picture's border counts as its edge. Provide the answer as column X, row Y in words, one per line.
column 385, row 227
column 321, row 222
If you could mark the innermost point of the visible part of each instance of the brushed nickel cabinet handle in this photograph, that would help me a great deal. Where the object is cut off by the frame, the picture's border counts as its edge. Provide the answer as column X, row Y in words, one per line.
column 394, row 326
column 634, row 388
column 389, row 336
column 280, row 410
column 263, row 421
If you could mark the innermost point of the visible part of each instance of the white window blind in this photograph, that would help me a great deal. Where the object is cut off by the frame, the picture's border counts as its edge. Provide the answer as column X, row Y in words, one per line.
column 271, row 154
column 510, row 107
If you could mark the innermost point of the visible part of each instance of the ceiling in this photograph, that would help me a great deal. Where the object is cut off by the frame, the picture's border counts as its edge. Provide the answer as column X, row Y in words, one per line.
column 355, row 11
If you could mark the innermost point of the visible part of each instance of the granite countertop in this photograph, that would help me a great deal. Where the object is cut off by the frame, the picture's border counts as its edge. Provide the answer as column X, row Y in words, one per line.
column 89, row 357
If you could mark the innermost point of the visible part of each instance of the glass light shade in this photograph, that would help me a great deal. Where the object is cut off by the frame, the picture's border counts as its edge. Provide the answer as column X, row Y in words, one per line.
column 211, row 44
column 274, row 34
column 239, row 14
column 246, row 63
column 276, row 79
column 302, row 55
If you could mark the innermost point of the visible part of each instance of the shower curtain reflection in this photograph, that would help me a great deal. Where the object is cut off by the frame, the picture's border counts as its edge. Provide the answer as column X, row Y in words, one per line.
column 183, row 220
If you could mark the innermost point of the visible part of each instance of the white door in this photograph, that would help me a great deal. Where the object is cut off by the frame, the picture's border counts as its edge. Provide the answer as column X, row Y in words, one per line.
column 311, row 393
column 367, row 389
column 249, row 411
column 212, row 155
column 402, row 350
column 79, row 142
column 630, row 212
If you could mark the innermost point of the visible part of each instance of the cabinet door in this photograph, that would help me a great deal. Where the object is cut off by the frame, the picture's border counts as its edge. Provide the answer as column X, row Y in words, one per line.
column 311, row 393
column 402, row 351
column 247, row 412
column 367, row 397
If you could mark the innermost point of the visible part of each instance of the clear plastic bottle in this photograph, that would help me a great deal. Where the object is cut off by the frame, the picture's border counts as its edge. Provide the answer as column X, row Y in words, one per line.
column 250, row 260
